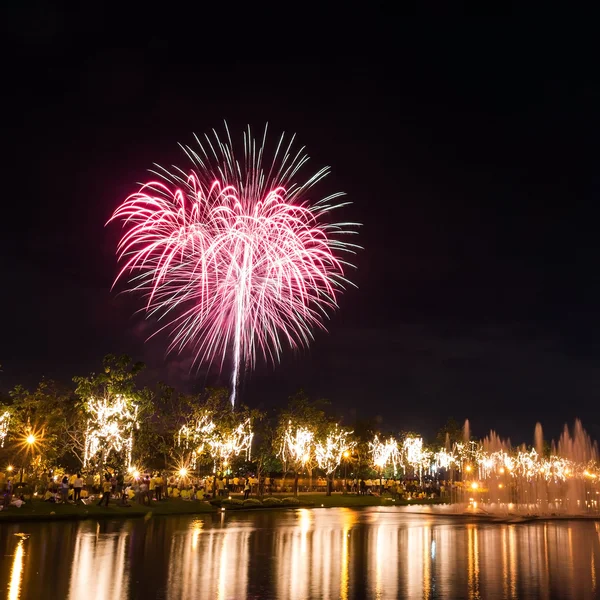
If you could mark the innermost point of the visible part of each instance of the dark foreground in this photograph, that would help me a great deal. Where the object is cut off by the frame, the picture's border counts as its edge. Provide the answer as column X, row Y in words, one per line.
column 376, row 552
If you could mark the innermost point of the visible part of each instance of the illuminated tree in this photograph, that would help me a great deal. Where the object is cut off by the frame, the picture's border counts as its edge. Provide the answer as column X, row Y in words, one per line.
column 215, row 434
column 330, row 449
column 414, row 455
column 296, row 450
column 111, row 406
column 298, row 427
column 384, row 454
column 110, row 427
column 209, row 436
column 4, row 423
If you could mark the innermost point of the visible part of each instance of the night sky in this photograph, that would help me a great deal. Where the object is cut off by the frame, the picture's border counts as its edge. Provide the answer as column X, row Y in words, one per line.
column 470, row 159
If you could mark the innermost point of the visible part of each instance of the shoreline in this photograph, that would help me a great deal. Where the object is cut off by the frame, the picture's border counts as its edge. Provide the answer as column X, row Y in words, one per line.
column 38, row 510
column 182, row 508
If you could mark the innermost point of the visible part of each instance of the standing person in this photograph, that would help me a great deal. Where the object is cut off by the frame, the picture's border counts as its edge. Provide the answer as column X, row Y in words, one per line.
column 9, row 493
column 149, row 489
column 221, row 486
column 44, row 482
column 247, row 489
column 152, row 487
column 120, row 481
column 158, row 486
column 64, row 489
column 143, row 491
column 89, row 483
column 77, row 487
column 106, row 489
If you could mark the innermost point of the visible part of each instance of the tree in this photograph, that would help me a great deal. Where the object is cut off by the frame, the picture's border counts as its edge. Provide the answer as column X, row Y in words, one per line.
column 36, row 437
column 216, row 434
column 113, row 406
column 330, row 448
column 298, row 426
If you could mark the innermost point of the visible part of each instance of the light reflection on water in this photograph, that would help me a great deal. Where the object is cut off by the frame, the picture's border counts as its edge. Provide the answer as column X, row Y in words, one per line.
column 323, row 553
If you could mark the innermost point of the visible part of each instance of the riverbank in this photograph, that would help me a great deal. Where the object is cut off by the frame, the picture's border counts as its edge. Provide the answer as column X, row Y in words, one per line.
column 36, row 510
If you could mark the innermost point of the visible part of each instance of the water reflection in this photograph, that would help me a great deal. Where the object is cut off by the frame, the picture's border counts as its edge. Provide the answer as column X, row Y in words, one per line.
column 99, row 565
column 209, row 563
column 312, row 554
column 14, row 588
column 336, row 553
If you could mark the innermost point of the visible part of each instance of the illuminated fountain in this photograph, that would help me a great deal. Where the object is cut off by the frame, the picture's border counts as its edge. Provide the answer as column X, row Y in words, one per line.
column 491, row 476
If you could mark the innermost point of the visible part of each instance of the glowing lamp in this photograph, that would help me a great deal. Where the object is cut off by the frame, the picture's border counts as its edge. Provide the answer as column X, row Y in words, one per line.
column 30, row 439
column 9, row 468
column 468, row 468
column 183, row 472
column 474, row 485
column 346, row 454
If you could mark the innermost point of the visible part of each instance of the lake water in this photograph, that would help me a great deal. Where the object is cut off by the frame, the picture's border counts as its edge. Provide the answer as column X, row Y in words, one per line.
column 303, row 554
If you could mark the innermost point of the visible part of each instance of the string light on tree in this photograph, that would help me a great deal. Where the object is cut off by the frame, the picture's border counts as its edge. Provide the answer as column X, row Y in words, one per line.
column 385, row 453
column 110, row 427
column 331, row 450
column 221, row 443
column 4, row 423
column 297, row 445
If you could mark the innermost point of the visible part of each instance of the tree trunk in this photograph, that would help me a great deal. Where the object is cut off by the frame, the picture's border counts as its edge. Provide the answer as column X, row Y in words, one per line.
column 329, row 484
column 296, row 483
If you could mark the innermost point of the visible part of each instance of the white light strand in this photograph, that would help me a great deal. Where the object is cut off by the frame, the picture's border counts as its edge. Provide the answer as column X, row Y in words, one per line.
column 4, row 423
column 110, row 427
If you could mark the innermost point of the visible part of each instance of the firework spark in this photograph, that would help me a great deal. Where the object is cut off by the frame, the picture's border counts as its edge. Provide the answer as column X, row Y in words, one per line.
column 235, row 257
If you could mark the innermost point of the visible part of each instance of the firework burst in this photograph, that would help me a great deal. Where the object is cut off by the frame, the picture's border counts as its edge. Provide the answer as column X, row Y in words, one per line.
column 235, row 258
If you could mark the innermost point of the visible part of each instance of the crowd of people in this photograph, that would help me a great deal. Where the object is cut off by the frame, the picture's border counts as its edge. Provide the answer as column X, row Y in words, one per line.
column 145, row 488
column 128, row 487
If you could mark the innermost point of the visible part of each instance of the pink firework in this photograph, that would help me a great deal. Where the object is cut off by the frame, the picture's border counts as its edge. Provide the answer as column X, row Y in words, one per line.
column 234, row 258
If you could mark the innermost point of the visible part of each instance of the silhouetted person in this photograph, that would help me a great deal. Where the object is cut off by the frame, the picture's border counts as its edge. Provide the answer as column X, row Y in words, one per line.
column 77, row 487
column 107, row 488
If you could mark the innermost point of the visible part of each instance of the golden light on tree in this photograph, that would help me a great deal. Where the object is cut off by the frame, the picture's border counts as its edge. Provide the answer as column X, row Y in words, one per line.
column 414, row 455
column 384, row 454
column 110, row 427
column 4, row 423
column 296, row 446
column 220, row 441
column 329, row 451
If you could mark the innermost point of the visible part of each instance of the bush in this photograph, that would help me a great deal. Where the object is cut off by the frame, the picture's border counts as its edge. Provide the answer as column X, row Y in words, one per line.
column 291, row 501
column 252, row 502
column 232, row 502
column 271, row 502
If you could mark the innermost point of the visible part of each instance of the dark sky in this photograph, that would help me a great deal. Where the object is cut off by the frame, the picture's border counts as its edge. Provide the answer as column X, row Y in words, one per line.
column 470, row 157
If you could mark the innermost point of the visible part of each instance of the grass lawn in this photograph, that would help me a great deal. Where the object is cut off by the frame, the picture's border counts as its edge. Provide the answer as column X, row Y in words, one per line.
column 38, row 510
